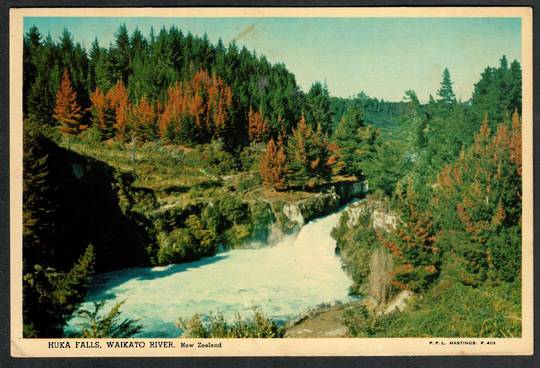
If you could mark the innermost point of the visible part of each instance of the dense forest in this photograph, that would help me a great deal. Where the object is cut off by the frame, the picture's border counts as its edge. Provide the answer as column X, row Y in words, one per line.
column 171, row 117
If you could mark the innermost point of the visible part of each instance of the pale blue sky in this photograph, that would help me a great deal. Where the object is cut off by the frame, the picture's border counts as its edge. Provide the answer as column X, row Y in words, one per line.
column 381, row 56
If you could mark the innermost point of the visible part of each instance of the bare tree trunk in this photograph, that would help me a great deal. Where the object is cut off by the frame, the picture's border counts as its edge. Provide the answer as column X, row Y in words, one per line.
column 381, row 265
column 133, row 149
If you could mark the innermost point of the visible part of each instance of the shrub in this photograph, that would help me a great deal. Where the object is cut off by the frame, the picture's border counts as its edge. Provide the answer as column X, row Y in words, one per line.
column 215, row 326
column 92, row 135
column 232, row 209
column 447, row 310
column 107, row 325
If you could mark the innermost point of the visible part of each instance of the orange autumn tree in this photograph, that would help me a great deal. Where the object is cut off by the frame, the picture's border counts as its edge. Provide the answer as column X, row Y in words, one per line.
column 257, row 128
column 196, row 111
column 98, row 109
column 272, row 167
column 103, row 115
column 119, row 102
column 142, row 120
column 210, row 104
column 67, row 110
column 173, row 122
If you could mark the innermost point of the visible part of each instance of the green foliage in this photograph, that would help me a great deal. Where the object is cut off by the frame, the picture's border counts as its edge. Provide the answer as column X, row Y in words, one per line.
column 218, row 159
column 355, row 243
column 385, row 167
column 109, row 325
column 446, row 92
column 38, row 208
column 419, row 257
column 379, row 113
column 356, row 142
column 498, row 92
column 362, row 322
column 91, row 136
column 51, row 296
column 478, row 207
column 447, row 310
column 215, row 326
column 317, row 109
column 308, row 157
column 232, row 209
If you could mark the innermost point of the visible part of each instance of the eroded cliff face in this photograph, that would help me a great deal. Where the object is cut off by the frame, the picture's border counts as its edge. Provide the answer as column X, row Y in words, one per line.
column 294, row 215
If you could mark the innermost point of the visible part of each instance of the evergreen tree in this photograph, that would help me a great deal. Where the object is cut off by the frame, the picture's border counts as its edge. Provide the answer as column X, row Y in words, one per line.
column 317, row 110
column 51, row 296
column 95, row 53
column 40, row 101
column 419, row 258
column 31, row 47
column 497, row 93
column 347, row 138
column 477, row 207
column 104, row 75
column 445, row 92
column 95, row 325
column 308, row 156
column 121, row 56
column 38, row 209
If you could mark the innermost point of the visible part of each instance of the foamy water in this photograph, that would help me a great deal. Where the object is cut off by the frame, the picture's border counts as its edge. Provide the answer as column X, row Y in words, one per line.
column 284, row 280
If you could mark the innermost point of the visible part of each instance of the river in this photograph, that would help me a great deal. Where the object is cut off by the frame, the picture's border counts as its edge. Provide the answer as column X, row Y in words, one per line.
column 299, row 272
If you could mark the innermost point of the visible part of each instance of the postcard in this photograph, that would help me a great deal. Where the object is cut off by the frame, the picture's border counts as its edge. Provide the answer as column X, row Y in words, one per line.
column 271, row 181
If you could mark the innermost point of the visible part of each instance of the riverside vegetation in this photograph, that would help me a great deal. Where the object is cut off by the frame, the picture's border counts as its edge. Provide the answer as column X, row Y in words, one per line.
column 160, row 150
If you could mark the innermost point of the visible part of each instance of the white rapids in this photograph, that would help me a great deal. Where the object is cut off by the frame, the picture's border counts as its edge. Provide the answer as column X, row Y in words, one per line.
column 299, row 272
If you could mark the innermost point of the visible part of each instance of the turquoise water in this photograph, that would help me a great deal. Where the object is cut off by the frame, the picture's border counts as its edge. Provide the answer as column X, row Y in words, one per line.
column 284, row 280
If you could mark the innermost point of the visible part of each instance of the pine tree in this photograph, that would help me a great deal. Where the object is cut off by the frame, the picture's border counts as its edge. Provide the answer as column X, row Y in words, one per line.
column 103, row 115
column 317, row 111
column 104, row 74
column 446, row 92
column 347, row 138
column 477, row 206
column 418, row 257
column 67, row 110
column 51, row 296
column 122, row 54
column 273, row 165
column 144, row 119
column 119, row 101
column 298, row 162
column 31, row 48
column 257, row 128
column 38, row 208
column 40, row 101
column 106, row 325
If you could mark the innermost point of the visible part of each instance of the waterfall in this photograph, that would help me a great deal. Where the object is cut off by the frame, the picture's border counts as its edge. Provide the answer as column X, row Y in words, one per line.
column 299, row 272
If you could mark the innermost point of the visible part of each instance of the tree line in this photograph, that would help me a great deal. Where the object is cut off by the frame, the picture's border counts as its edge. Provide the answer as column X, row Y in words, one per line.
column 162, row 68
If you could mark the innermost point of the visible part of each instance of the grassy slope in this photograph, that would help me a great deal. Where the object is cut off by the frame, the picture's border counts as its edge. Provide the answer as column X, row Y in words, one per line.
column 180, row 175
